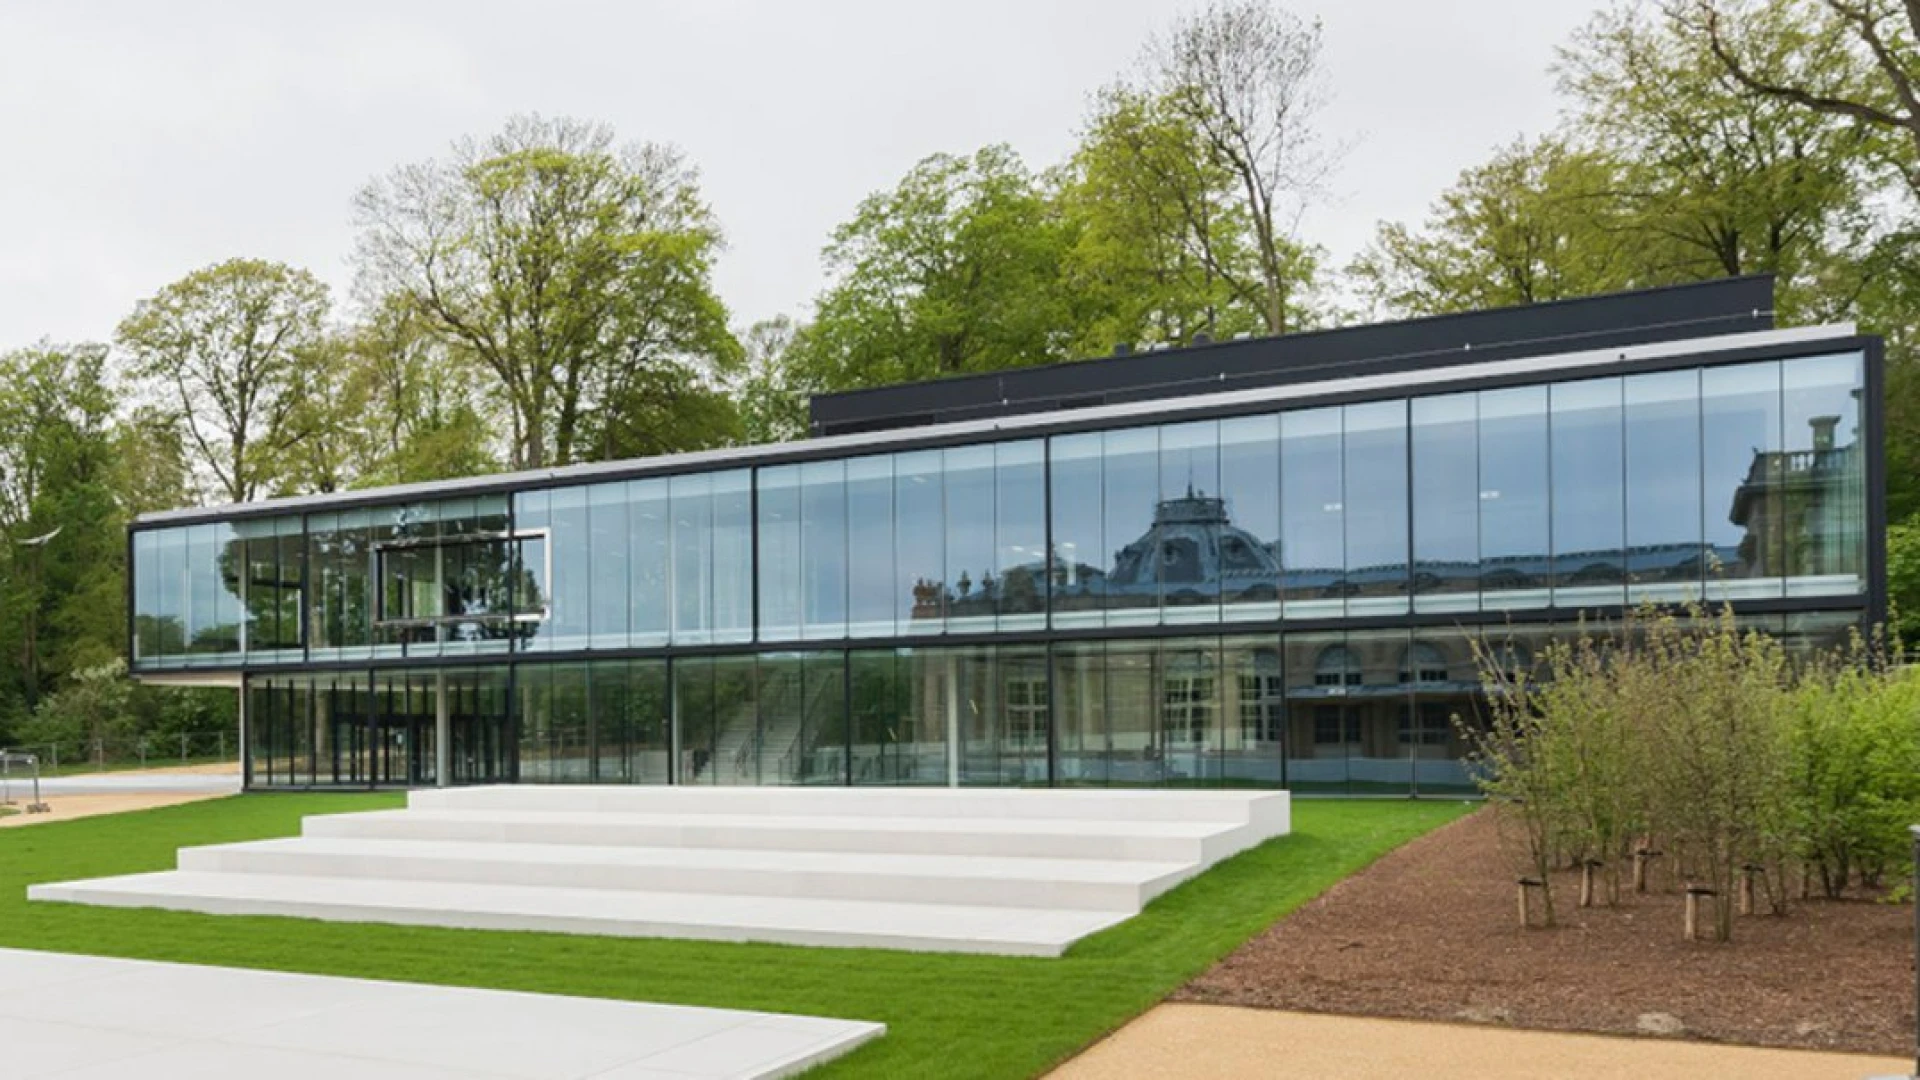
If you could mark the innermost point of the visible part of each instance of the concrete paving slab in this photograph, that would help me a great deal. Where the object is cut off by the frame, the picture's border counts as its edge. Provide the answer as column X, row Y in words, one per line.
column 91, row 1018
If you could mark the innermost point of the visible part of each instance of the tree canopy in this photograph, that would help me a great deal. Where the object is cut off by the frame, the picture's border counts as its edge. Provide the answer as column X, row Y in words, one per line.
column 576, row 272
column 233, row 351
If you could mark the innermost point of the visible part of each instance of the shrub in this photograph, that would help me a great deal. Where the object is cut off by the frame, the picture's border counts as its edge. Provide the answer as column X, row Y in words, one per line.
column 1683, row 731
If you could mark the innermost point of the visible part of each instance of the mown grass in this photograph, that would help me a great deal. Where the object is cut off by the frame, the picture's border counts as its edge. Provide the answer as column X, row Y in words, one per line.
column 947, row 1016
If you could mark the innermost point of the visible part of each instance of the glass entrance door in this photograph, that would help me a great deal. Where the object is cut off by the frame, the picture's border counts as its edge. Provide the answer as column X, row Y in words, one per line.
column 402, row 739
column 480, row 732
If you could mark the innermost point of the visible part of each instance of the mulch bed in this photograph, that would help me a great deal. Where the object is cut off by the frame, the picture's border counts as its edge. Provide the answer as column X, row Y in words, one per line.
column 1431, row 932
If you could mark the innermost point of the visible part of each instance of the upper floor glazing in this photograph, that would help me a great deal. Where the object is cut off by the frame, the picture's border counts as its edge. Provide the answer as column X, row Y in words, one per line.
column 1742, row 481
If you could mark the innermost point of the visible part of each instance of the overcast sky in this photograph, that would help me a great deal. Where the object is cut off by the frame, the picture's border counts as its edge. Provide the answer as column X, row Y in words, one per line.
column 139, row 141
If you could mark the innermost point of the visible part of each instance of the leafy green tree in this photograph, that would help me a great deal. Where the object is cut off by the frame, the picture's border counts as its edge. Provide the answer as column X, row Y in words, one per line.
column 60, row 518
column 1245, row 77
column 772, row 407
column 576, row 272
column 1715, row 181
column 1677, row 728
column 91, row 710
column 1857, row 61
column 1903, row 579
column 152, row 469
column 232, row 350
column 1855, row 773
column 408, row 407
column 1163, row 247
column 1538, row 222
column 1666, row 171
column 956, row 270
column 660, row 410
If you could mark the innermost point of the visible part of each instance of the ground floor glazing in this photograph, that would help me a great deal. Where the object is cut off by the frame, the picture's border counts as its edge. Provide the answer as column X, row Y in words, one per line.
column 1378, row 711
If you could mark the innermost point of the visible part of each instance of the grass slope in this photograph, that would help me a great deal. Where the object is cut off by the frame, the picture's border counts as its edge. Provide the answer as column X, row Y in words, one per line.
column 948, row 1016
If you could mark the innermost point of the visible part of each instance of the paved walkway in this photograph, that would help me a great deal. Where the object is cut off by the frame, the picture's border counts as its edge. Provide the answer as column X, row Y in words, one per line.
column 92, row 1018
column 132, row 781
column 1197, row 1041
column 93, row 794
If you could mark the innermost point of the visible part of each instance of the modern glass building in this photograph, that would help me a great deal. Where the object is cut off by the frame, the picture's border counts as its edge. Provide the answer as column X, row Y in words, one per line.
column 1260, row 562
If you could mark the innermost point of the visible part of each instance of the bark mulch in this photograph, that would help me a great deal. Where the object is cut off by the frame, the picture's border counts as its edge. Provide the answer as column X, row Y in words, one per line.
column 1431, row 931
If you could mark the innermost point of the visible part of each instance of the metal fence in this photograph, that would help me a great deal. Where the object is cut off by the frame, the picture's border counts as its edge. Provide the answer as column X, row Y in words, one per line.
column 23, row 771
column 144, row 752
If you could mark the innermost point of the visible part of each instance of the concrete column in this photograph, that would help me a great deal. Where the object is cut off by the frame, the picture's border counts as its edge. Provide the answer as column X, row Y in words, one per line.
column 953, row 723
column 442, row 732
column 246, row 745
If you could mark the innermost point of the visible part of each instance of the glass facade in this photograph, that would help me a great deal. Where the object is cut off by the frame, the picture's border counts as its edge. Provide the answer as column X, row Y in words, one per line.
column 1190, row 603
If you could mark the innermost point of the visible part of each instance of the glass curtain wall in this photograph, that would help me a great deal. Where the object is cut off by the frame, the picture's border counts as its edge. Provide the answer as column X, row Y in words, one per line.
column 1020, row 535
column 1513, row 499
column 1345, row 712
column 1743, row 481
column 1248, row 554
column 1187, row 523
column 919, row 543
column 873, row 594
column 1742, row 474
column 1130, row 482
column 1446, row 501
column 1312, row 515
column 899, row 734
column 1589, row 528
column 1665, row 559
column 1376, row 513
column 1079, row 557
column 1252, row 746
column 1822, row 474
column 479, row 705
column 1192, row 721
column 1320, row 674
column 1081, row 746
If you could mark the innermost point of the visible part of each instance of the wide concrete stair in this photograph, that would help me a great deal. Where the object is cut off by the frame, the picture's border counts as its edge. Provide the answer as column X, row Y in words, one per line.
column 986, row 870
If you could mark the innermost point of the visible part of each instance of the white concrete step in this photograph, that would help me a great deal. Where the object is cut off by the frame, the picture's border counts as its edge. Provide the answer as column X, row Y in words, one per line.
column 1267, row 810
column 1085, row 884
column 795, row 921
column 972, row 870
column 1152, row 841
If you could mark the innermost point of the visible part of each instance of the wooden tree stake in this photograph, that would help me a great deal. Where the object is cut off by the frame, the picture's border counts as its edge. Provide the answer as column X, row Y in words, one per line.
column 1527, row 885
column 1747, row 873
column 1694, row 895
column 1641, row 857
column 1586, row 881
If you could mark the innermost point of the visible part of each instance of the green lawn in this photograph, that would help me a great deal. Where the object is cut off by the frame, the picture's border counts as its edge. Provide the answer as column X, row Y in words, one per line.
column 948, row 1016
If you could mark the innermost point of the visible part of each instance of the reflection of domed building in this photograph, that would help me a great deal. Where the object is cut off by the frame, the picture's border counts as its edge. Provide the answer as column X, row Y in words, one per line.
column 1192, row 553
column 1193, row 543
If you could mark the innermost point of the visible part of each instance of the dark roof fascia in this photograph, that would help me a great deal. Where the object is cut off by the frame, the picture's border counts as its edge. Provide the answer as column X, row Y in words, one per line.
column 1720, row 306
